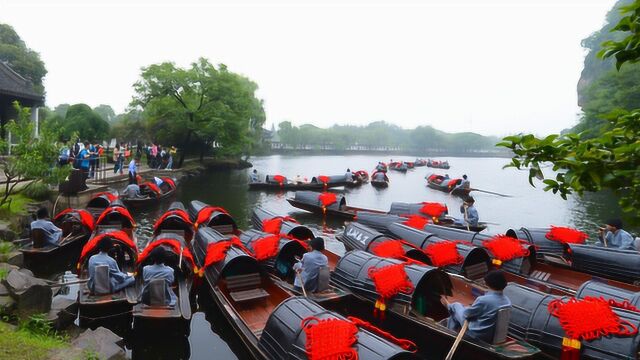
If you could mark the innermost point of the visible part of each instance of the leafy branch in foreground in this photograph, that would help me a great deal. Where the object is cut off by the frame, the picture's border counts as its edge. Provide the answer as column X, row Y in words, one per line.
column 610, row 161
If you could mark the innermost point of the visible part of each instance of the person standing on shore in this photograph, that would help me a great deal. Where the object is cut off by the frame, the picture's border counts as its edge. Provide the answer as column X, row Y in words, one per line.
column 133, row 172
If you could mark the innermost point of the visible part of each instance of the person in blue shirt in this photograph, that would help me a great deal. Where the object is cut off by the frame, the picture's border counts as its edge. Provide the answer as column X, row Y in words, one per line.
column 158, row 270
column 84, row 158
column 482, row 314
column 52, row 233
column 92, row 160
column 117, row 279
column 470, row 213
column 614, row 236
column 309, row 266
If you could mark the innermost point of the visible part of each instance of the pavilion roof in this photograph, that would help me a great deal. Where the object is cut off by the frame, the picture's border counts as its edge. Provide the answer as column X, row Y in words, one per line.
column 13, row 84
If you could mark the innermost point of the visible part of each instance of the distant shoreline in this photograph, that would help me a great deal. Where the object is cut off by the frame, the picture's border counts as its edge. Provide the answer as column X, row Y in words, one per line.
column 417, row 154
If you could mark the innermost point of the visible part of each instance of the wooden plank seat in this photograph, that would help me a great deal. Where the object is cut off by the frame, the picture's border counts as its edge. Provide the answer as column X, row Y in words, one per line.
column 246, row 287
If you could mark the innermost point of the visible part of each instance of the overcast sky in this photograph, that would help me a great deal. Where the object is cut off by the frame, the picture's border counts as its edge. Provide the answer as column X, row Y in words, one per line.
column 492, row 67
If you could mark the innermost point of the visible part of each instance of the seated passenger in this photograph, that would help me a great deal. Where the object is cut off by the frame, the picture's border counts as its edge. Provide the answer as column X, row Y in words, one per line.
column 254, row 176
column 470, row 213
column 614, row 237
column 117, row 279
column 309, row 266
column 158, row 181
column 482, row 315
column 158, row 271
column 298, row 179
column 379, row 176
column 132, row 191
column 349, row 175
column 52, row 233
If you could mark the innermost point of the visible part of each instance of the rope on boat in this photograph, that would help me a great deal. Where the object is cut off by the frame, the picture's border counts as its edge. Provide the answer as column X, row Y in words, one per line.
column 76, row 314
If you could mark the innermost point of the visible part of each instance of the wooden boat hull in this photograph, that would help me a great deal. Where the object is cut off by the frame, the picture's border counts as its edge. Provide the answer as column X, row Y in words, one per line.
column 444, row 188
column 148, row 201
column 50, row 259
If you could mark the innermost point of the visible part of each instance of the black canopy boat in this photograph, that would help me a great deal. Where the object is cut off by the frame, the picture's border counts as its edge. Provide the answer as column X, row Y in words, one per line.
column 439, row 182
column 212, row 216
column 151, row 194
column 420, row 162
column 279, row 182
column 266, row 317
column 546, row 276
column 103, row 303
column 382, row 167
column 532, row 321
column 379, row 179
column 153, row 309
column 101, row 201
column 177, row 220
column 270, row 222
column 610, row 263
column 409, row 164
column 398, row 166
column 41, row 258
column 380, row 221
column 417, row 313
column 437, row 164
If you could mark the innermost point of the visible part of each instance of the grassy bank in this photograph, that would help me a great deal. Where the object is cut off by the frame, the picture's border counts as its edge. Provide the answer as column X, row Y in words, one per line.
column 22, row 344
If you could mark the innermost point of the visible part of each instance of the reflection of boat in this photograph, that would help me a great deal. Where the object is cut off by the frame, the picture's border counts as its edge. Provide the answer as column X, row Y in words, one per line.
column 439, row 182
column 151, row 194
column 416, row 313
column 267, row 318
column 153, row 310
column 279, row 182
column 76, row 226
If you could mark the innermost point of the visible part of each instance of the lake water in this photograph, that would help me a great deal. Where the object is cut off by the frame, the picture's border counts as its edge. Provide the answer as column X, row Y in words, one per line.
column 525, row 206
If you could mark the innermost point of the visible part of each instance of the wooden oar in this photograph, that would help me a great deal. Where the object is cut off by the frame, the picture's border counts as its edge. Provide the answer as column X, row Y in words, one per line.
column 180, row 260
column 65, row 239
column 56, row 284
column 457, row 341
column 490, row 192
column 304, row 291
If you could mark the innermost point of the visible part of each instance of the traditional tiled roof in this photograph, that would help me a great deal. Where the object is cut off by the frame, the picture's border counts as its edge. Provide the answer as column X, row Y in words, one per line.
column 12, row 84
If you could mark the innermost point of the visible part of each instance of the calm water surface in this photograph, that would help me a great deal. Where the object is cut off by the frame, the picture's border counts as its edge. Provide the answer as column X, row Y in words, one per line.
column 210, row 337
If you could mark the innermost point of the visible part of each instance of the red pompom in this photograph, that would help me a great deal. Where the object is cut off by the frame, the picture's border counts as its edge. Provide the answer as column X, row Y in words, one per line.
column 566, row 235
column 443, row 253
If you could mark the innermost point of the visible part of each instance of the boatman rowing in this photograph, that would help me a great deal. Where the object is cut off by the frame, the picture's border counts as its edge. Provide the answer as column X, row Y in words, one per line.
column 613, row 236
column 470, row 213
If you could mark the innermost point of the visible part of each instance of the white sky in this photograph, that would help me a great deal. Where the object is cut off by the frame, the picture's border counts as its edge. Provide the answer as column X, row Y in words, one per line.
column 492, row 67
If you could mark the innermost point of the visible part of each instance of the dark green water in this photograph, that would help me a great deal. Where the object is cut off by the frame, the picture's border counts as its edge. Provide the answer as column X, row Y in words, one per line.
column 210, row 337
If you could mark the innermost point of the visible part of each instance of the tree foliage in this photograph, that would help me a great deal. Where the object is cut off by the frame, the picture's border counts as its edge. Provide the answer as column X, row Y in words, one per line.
column 105, row 112
column 584, row 162
column 81, row 120
column 32, row 158
column 197, row 106
column 22, row 59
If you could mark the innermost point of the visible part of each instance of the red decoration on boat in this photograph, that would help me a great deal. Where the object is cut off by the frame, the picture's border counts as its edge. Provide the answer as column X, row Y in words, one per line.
column 324, row 180
column 432, row 177
column 175, row 247
column 389, row 281
column 119, row 209
column 216, row 252
column 416, row 222
column 587, row 319
column 205, row 213
column 109, row 196
column 330, row 339
column 389, row 249
column 403, row 343
column 566, row 235
column 117, row 235
column 266, row 247
column 169, row 181
column 505, row 248
column 85, row 217
column 178, row 212
column 444, row 253
column 152, row 186
column 433, row 209
column 279, row 179
column 452, row 183
column 327, row 198
column 272, row 226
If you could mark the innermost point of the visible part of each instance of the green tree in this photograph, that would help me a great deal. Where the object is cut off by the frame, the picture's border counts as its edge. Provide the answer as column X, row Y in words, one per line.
column 83, row 121
column 198, row 106
column 61, row 110
column 583, row 162
column 22, row 59
column 32, row 158
column 130, row 127
column 105, row 112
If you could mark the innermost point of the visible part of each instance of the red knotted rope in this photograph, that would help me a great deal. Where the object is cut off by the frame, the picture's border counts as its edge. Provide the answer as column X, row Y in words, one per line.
column 327, row 198
column 117, row 235
column 389, row 249
column 566, row 235
column 118, row 209
column 169, row 181
column 329, row 339
column 274, row 225
column 152, row 186
column 433, row 209
column 178, row 212
column 389, row 281
column 266, row 247
column 589, row 318
column 444, row 253
column 205, row 213
column 323, row 179
column 175, row 247
column 625, row 304
column 85, row 217
column 416, row 222
column 505, row 248
column 279, row 179
column 452, row 183
column 403, row 343
column 217, row 251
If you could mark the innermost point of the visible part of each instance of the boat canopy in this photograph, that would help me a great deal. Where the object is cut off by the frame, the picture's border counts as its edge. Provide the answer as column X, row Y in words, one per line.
column 288, row 225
